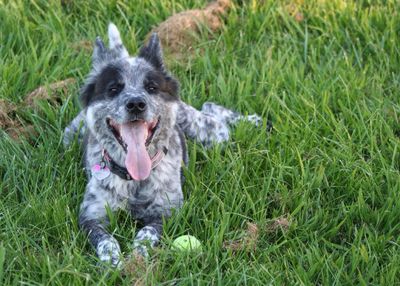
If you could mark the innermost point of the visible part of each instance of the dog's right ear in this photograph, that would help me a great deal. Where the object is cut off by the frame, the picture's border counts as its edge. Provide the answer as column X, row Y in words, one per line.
column 116, row 51
column 100, row 52
column 100, row 55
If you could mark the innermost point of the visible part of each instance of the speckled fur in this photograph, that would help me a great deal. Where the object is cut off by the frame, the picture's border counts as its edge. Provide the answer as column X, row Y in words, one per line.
column 154, row 198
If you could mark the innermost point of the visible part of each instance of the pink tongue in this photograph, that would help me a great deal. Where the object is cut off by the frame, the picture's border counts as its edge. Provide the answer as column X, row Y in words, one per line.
column 137, row 160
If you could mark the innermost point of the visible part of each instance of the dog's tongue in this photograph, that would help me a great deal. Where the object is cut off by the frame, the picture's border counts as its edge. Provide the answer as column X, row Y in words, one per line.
column 137, row 160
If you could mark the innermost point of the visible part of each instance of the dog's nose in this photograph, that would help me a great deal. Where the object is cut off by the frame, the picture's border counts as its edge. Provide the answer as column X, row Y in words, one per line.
column 136, row 105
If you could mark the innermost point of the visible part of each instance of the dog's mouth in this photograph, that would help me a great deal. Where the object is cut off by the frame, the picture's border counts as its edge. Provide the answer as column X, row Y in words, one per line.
column 134, row 137
column 151, row 127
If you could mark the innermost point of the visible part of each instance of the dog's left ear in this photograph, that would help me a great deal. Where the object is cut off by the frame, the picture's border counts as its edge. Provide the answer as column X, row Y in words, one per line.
column 152, row 52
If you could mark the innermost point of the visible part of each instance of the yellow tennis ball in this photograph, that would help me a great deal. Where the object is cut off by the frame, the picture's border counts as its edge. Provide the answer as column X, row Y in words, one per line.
column 186, row 243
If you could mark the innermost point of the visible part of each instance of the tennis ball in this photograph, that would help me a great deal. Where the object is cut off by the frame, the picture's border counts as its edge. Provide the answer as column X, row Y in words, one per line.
column 186, row 243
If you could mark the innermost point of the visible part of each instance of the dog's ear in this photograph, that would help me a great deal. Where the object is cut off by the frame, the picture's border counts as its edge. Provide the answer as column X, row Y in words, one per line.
column 100, row 52
column 117, row 50
column 152, row 52
column 116, row 46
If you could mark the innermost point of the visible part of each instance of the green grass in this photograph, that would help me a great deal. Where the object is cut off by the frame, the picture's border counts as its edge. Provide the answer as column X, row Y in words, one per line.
column 331, row 86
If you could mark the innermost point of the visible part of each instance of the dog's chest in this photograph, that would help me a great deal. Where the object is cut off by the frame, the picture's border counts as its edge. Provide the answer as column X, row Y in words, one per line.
column 162, row 185
column 121, row 188
column 153, row 196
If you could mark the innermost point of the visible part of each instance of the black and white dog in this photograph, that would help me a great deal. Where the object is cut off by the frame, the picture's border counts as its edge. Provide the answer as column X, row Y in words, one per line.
column 134, row 128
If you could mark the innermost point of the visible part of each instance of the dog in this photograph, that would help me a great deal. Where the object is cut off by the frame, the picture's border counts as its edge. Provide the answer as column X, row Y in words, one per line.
column 133, row 126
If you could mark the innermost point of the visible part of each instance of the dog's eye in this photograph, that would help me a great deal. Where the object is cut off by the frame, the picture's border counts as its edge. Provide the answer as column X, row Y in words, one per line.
column 115, row 88
column 151, row 87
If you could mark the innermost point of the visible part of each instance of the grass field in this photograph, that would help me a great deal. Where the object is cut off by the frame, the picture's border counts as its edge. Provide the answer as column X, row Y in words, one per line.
column 328, row 79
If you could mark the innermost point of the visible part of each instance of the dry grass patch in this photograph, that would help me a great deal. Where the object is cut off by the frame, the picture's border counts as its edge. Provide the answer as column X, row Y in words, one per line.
column 15, row 126
column 54, row 92
column 248, row 242
column 178, row 32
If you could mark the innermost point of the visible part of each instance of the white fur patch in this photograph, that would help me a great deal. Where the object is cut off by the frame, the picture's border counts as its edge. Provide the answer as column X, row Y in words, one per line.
column 90, row 120
column 115, row 39
column 114, row 36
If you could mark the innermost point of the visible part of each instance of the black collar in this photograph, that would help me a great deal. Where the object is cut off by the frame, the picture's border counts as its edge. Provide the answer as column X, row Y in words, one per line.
column 122, row 172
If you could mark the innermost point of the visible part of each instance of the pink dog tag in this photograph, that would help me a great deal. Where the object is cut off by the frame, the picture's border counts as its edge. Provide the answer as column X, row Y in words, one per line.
column 100, row 173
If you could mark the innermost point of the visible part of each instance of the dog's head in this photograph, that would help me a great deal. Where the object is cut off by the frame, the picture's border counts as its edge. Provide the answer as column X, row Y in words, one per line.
column 130, row 101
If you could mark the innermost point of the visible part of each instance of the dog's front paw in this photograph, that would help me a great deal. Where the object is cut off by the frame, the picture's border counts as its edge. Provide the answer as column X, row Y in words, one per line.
column 109, row 251
column 140, row 249
column 146, row 238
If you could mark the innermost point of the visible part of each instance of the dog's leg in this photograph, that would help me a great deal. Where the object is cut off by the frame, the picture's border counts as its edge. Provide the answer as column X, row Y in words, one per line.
column 76, row 125
column 201, row 127
column 148, row 236
column 93, row 220
column 107, row 247
column 223, row 114
column 211, row 124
